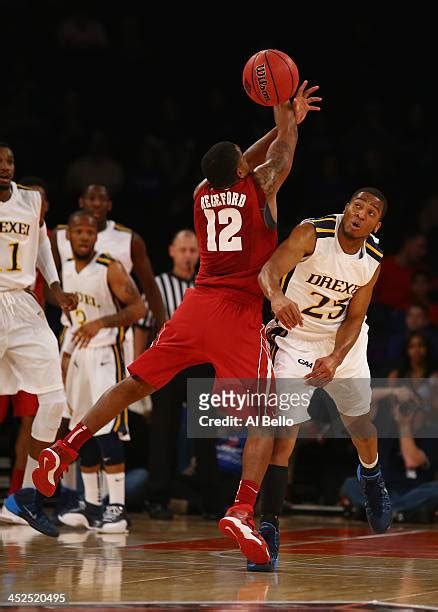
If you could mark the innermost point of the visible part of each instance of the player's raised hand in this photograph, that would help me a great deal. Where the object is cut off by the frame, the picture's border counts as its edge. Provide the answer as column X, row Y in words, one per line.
column 286, row 311
column 304, row 101
column 323, row 371
column 86, row 332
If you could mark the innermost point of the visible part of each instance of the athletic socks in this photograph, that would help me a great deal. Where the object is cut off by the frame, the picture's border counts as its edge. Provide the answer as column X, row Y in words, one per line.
column 116, row 488
column 91, row 487
column 247, row 493
column 78, row 436
column 273, row 493
column 370, row 469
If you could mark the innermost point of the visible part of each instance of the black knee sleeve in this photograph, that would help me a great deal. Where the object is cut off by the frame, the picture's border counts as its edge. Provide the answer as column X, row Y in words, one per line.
column 90, row 453
column 111, row 448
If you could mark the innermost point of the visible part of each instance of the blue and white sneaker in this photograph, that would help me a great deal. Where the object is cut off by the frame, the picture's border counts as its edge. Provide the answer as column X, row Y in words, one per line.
column 377, row 502
column 271, row 535
column 67, row 500
column 27, row 504
column 83, row 514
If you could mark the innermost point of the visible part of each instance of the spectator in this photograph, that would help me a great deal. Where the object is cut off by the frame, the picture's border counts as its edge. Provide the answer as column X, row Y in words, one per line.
column 417, row 359
column 415, row 320
column 409, row 459
column 421, row 288
column 393, row 286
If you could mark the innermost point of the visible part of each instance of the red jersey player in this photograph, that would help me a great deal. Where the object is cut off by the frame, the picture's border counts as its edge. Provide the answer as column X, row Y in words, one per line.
column 235, row 218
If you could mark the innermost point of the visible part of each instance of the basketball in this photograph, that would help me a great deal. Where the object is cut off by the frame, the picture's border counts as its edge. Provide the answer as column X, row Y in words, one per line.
column 270, row 77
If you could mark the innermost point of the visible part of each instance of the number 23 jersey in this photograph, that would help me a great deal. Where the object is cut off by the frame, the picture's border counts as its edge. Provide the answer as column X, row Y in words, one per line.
column 234, row 239
column 323, row 283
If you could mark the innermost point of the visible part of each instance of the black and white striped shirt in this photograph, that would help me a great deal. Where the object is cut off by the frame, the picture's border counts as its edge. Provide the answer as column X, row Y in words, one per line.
column 172, row 289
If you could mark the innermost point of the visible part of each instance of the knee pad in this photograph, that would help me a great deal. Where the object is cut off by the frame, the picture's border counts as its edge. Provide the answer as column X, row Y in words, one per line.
column 48, row 417
column 111, row 448
column 90, row 453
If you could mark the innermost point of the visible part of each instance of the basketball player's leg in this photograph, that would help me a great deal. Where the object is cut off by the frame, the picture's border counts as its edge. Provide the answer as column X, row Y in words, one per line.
column 25, row 408
column 115, row 518
column 88, row 513
column 293, row 398
column 109, row 363
column 246, row 366
column 32, row 364
column 175, row 348
column 351, row 390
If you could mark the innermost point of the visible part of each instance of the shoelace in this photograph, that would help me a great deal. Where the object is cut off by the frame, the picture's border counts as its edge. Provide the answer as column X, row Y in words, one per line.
column 382, row 493
column 112, row 511
column 41, row 515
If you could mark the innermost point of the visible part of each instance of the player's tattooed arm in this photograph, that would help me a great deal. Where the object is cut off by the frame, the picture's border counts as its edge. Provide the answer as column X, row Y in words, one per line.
column 280, row 161
column 126, row 293
column 303, row 102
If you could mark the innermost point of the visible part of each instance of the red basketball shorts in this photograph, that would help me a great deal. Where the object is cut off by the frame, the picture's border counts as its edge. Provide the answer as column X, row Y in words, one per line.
column 23, row 403
column 221, row 327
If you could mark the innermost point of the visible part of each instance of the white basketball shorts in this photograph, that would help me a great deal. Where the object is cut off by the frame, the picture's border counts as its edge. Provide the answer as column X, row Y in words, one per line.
column 91, row 372
column 350, row 389
column 29, row 357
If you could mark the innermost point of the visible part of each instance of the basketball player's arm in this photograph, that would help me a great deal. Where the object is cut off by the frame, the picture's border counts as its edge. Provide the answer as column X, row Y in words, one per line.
column 324, row 368
column 55, row 250
column 142, row 268
column 47, row 267
column 255, row 155
column 125, row 290
column 48, row 295
column 301, row 242
column 279, row 156
column 280, row 153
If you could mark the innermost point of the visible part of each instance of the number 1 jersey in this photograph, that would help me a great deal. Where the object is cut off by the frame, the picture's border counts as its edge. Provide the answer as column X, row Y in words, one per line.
column 234, row 239
column 19, row 238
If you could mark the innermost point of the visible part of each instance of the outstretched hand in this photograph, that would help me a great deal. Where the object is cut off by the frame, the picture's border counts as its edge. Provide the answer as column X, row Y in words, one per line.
column 323, row 371
column 304, row 102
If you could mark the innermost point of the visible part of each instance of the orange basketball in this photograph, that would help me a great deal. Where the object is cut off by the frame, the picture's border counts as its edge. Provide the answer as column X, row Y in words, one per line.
column 270, row 77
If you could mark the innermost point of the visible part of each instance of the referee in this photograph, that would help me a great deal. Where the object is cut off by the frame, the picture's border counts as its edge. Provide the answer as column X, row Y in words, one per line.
column 167, row 402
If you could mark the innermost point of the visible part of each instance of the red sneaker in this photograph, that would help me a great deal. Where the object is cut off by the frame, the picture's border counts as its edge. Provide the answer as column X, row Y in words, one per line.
column 238, row 524
column 52, row 463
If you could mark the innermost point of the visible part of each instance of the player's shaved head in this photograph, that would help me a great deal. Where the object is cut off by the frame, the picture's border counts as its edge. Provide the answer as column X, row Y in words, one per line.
column 82, row 216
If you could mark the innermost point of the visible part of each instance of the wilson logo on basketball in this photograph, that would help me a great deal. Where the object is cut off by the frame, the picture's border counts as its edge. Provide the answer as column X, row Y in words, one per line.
column 262, row 81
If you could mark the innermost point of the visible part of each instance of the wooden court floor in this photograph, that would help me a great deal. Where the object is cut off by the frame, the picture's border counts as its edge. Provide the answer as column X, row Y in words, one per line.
column 186, row 561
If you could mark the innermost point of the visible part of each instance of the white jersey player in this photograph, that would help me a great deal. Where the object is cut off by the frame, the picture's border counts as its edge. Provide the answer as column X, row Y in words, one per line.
column 108, row 302
column 320, row 282
column 29, row 358
column 121, row 243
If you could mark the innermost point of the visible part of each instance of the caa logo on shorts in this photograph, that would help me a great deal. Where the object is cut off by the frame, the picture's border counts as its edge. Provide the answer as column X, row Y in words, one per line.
column 305, row 363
